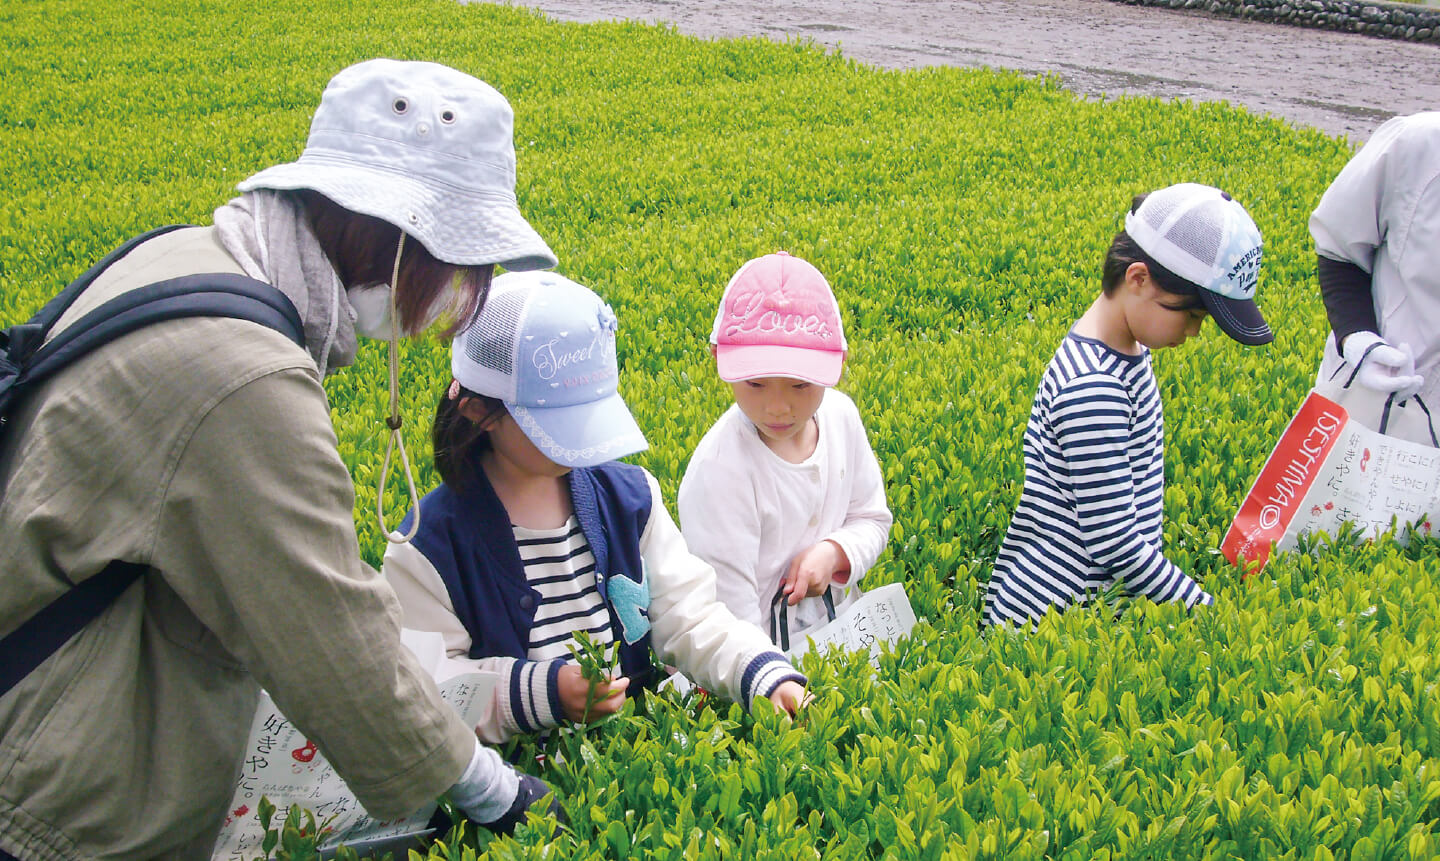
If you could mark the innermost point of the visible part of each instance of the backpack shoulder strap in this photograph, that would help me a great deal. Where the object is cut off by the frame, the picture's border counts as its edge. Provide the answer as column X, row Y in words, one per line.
column 216, row 294
column 22, row 340
column 29, row 363
column 40, row 636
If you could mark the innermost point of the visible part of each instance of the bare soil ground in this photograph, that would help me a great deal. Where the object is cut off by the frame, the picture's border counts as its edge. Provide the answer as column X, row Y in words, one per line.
column 1342, row 83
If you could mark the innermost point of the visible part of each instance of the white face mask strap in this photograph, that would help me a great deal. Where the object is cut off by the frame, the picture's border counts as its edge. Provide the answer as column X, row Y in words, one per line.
column 394, row 421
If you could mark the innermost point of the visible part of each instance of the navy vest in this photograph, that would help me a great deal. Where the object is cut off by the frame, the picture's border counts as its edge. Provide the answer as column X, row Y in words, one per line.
column 468, row 539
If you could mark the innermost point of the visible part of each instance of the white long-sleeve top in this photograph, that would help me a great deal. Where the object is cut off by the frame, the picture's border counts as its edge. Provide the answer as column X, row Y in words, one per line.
column 748, row 512
column 690, row 630
column 1382, row 213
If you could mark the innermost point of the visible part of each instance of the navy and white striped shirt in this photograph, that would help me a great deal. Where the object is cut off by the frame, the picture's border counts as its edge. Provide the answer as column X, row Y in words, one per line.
column 559, row 565
column 1091, row 511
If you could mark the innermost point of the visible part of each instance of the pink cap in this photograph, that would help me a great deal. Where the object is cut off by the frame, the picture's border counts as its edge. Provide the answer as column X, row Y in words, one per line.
column 778, row 318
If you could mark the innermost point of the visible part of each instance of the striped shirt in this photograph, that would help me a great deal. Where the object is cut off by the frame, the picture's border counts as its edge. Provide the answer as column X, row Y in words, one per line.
column 1091, row 512
column 559, row 565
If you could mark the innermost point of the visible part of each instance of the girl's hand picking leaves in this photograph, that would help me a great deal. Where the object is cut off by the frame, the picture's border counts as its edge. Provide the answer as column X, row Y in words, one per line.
column 790, row 697
column 584, row 700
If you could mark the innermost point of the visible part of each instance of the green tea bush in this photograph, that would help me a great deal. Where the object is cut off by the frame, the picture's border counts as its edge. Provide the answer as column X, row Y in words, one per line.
column 961, row 216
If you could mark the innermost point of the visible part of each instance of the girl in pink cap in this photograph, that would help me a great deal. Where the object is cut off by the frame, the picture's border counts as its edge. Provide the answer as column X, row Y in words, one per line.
column 783, row 495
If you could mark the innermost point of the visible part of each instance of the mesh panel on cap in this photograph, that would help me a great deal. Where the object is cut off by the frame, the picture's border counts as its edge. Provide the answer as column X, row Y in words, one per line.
column 484, row 361
column 1156, row 209
column 1197, row 235
column 494, row 350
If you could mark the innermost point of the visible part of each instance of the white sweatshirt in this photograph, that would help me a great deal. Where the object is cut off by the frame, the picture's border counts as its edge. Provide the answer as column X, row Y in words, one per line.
column 748, row 512
column 1382, row 213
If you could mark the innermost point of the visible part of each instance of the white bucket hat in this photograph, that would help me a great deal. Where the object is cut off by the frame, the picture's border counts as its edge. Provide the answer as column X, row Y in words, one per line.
column 425, row 148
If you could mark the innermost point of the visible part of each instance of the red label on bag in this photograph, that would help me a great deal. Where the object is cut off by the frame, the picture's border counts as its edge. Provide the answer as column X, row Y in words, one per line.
column 1284, row 480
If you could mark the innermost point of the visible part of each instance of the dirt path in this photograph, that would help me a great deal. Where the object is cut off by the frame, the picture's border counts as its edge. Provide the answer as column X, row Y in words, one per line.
column 1344, row 84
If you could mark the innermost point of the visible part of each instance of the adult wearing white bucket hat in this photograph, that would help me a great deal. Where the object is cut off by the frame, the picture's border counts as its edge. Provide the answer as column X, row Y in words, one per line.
column 427, row 149
column 202, row 450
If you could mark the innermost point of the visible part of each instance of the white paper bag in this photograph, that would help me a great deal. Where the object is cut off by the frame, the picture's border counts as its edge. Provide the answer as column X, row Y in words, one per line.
column 284, row 766
column 1328, row 469
column 882, row 615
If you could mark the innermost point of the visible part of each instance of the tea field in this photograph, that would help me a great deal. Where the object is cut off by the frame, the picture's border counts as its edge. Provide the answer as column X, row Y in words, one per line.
column 961, row 217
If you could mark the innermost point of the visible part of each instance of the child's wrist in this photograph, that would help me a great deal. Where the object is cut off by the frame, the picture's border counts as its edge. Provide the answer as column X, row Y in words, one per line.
column 840, row 567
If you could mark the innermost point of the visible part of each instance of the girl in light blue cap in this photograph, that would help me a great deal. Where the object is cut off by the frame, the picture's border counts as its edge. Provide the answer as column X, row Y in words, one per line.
column 538, row 532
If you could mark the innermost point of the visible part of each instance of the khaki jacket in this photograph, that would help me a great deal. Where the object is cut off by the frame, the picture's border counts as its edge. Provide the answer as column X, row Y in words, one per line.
column 203, row 449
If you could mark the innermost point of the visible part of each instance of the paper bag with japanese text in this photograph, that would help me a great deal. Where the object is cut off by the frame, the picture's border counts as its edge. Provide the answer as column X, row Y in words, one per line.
column 1326, row 470
column 881, row 615
column 284, row 766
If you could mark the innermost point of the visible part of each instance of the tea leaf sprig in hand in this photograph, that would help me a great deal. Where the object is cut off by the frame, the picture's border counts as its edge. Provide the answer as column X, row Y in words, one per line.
column 596, row 662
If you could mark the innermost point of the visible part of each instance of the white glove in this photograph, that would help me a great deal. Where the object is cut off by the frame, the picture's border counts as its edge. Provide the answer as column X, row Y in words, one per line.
column 488, row 787
column 1382, row 366
column 497, row 797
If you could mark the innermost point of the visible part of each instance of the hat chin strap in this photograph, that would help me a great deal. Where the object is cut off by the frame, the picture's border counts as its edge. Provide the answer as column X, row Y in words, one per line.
column 394, row 420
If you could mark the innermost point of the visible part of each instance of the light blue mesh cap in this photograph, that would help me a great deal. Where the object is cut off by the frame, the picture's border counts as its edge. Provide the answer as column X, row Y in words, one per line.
column 545, row 346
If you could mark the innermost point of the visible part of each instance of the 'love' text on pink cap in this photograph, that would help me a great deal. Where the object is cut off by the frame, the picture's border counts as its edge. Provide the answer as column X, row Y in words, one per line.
column 778, row 318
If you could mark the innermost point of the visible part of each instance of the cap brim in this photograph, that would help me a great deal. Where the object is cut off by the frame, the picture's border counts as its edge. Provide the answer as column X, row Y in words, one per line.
column 582, row 434
column 1238, row 318
column 462, row 227
column 737, row 362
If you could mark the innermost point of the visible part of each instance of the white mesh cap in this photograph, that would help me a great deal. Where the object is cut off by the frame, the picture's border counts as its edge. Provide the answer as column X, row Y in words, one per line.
column 545, row 346
column 1202, row 235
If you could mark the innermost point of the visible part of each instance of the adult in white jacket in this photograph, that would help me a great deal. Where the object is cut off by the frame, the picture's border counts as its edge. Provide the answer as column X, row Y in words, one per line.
column 1377, row 237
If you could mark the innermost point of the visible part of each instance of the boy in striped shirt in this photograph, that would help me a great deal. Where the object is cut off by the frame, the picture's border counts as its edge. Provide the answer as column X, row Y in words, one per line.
column 1090, row 514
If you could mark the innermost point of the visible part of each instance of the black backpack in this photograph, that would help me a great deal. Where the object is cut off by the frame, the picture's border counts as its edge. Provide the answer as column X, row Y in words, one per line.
column 26, row 361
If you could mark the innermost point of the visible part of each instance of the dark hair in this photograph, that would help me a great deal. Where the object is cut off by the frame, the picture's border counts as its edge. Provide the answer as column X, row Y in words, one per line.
column 362, row 250
column 458, row 441
column 1124, row 251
